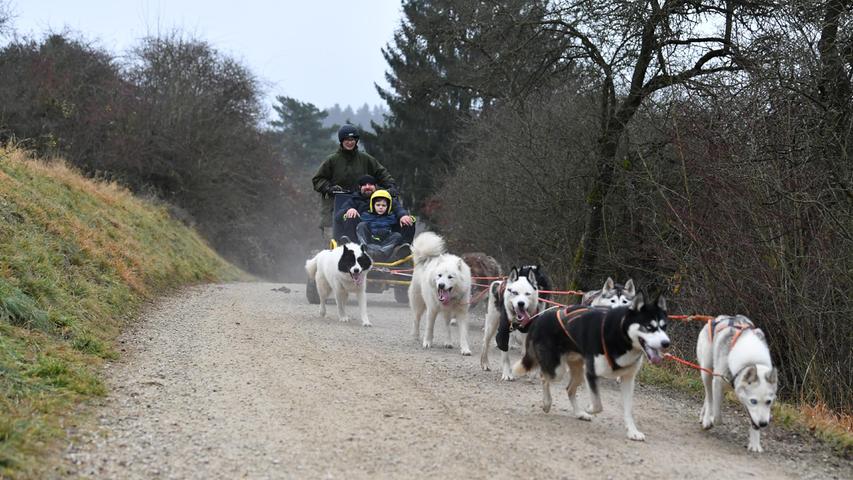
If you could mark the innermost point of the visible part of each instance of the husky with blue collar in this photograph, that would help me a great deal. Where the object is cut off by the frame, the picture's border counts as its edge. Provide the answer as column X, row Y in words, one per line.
column 737, row 353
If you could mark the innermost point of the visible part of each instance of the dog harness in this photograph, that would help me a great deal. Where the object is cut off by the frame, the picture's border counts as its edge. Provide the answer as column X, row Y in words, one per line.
column 571, row 313
column 739, row 326
column 716, row 326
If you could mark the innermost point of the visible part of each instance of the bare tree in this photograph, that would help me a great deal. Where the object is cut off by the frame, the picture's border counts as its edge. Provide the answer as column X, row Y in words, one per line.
column 636, row 49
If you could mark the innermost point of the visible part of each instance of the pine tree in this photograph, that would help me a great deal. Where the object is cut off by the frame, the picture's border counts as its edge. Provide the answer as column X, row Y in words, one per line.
column 303, row 138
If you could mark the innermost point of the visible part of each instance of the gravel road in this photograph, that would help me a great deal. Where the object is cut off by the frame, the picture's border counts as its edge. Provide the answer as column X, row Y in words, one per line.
column 242, row 381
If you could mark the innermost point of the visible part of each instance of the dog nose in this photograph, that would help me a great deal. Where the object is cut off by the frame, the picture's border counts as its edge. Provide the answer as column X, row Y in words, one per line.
column 441, row 286
column 521, row 305
column 664, row 344
column 763, row 423
column 356, row 270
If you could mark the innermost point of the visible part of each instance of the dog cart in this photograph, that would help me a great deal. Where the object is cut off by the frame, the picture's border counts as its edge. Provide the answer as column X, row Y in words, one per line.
column 381, row 276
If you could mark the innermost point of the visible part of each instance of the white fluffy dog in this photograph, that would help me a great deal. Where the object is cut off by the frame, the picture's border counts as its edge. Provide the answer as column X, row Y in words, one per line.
column 734, row 349
column 340, row 271
column 441, row 284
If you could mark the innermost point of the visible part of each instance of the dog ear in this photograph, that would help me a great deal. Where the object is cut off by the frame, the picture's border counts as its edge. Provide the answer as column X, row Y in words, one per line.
column 629, row 287
column 759, row 334
column 750, row 375
column 637, row 303
column 513, row 275
column 661, row 303
column 608, row 285
column 772, row 376
column 531, row 277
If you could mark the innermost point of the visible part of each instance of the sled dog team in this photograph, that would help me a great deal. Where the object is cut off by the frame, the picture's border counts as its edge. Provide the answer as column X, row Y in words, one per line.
column 606, row 336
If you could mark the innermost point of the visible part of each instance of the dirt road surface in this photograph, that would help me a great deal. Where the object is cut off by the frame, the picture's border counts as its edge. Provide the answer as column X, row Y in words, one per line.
column 241, row 381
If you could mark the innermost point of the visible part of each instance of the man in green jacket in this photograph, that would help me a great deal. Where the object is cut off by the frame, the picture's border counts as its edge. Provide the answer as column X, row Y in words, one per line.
column 341, row 171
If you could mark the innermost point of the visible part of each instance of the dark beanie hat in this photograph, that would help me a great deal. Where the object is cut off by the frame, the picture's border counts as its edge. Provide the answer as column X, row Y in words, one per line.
column 366, row 179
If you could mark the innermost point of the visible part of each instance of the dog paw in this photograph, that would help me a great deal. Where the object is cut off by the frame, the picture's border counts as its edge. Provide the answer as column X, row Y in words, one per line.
column 755, row 448
column 366, row 323
column 427, row 344
column 448, row 345
column 593, row 409
column 636, row 435
column 707, row 423
column 584, row 416
column 484, row 365
column 507, row 377
column 343, row 319
column 546, row 407
column 466, row 352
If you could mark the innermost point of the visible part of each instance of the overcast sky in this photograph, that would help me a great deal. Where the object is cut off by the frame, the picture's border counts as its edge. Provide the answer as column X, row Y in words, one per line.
column 318, row 51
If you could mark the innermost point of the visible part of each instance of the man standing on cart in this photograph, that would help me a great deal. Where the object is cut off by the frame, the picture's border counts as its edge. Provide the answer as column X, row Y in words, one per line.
column 341, row 171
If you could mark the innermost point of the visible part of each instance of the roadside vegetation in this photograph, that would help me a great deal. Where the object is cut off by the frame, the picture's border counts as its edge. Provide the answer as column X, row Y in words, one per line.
column 78, row 258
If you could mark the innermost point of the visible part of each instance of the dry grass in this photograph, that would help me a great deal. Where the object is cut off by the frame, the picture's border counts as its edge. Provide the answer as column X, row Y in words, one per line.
column 77, row 258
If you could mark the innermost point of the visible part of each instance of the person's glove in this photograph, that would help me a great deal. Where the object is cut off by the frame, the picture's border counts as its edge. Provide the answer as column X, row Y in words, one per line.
column 392, row 189
column 336, row 189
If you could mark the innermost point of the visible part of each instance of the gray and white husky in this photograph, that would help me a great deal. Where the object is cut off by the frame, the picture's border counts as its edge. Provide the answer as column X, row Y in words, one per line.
column 513, row 302
column 735, row 350
column 611, row 295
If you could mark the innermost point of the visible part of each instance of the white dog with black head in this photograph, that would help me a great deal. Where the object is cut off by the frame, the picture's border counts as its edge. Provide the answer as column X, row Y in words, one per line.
column 341, row 271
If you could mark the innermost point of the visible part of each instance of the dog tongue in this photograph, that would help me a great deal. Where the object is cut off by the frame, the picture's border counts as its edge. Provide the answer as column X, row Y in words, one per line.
column 653, row 355
column 443, row 296
column 522, row 316
column 356, row 277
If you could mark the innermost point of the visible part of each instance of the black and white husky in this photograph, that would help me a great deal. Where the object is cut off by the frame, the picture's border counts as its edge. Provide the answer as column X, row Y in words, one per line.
column 605, row 342
column 611, row 295
column 512, row 303
column 340, row 271
column 735, row 350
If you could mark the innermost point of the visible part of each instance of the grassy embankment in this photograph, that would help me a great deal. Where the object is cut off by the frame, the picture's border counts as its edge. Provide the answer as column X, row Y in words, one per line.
column 77, row 260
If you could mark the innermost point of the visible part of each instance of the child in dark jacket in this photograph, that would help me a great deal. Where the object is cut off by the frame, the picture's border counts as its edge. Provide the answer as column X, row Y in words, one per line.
column 376, row 226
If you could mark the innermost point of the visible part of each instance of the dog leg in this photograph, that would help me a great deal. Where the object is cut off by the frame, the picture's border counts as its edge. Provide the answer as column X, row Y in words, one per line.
column 323, row 291
column 448, row 321
column 575, row 379
column 430, row 326
column 362, row 306
column 717, row 401
column 546, row 393
column 506, row 368
column 706, row 416
column 754, row 440
column 628, row 408
column 462, row 320
column 341, row 300
column 592, row 384
column 490, row 327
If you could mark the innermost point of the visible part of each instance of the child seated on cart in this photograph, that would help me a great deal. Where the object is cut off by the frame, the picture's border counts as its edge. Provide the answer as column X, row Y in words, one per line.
column 376, row 229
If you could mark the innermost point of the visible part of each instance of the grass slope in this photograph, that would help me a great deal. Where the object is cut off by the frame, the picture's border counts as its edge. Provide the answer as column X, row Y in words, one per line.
column 77, row 259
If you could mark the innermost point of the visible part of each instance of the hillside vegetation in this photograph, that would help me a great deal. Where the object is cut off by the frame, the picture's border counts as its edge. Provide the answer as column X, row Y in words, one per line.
column 77, row 260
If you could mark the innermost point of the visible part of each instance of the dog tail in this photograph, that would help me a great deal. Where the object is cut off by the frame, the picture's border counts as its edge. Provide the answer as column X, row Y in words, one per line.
column 311, row 267
column 426, row 246
column 526, row 363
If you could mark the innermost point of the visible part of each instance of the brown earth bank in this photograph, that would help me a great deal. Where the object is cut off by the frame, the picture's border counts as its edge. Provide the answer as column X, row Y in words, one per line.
column 245, row 381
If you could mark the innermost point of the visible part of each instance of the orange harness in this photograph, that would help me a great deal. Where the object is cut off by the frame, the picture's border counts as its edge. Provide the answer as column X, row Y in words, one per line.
column 572, row 315
column 715, row 326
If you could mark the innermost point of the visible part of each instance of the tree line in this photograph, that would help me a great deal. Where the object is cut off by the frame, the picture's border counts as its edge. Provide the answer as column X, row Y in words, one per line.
column 701, row 148
column 179, row 122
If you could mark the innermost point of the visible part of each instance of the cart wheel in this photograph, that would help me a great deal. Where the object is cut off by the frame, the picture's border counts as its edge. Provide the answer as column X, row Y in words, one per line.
column 311, row 292
column 401, row 294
